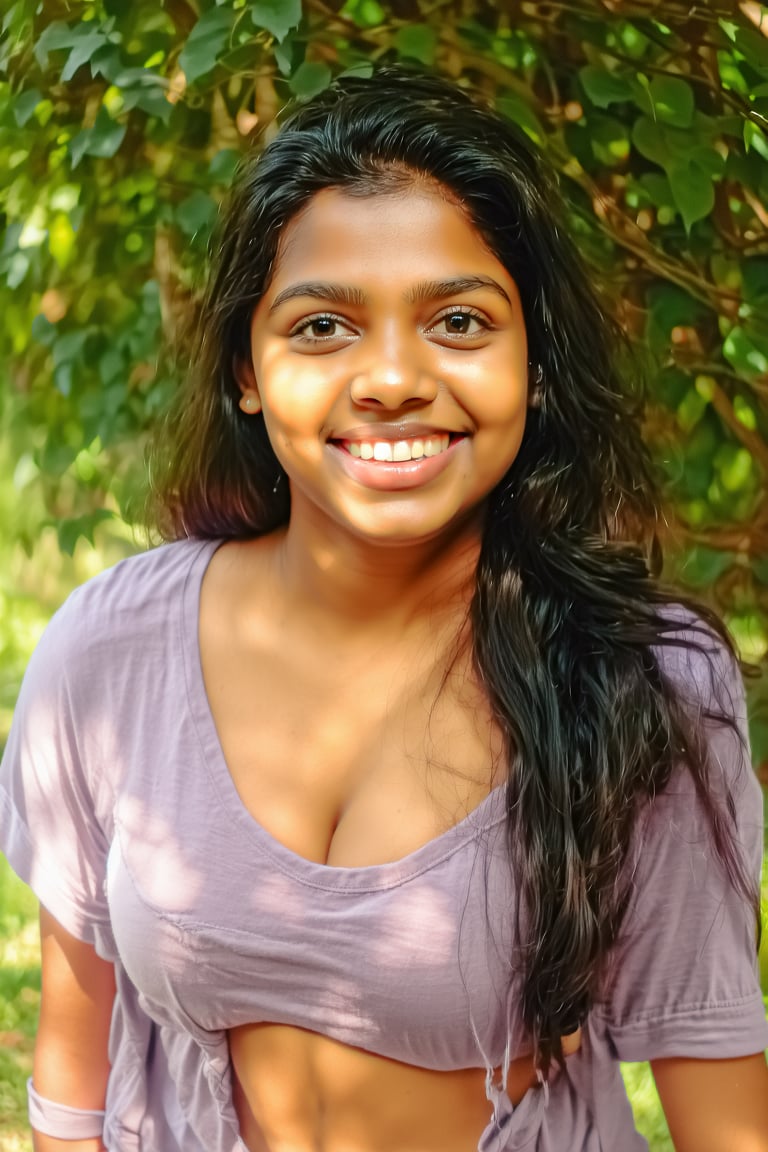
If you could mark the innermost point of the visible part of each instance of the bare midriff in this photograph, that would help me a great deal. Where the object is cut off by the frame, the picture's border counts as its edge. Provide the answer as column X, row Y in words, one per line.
column 296, row 1091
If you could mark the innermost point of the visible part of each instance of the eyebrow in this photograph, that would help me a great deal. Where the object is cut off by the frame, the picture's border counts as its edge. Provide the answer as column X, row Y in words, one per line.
column 424, row 291
column 439, row 289
column 335, row 293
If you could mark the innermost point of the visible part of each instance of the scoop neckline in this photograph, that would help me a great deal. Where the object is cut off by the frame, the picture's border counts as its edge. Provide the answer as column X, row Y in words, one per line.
column 481, row 819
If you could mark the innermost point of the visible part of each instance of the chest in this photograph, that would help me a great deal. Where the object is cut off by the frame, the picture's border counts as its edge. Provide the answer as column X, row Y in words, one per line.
column 219, row 925
column 350, row 760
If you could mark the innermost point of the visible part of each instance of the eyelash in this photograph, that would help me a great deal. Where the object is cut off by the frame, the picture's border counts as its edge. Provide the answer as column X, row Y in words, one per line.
column 302, row 328
column 464, row 311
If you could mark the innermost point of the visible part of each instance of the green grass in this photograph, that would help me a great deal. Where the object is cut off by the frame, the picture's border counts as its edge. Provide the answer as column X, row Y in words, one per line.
column 649, row 1117
column 19, row 1004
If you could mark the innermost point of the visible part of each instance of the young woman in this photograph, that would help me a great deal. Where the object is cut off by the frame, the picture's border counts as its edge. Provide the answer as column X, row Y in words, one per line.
column 394, row 801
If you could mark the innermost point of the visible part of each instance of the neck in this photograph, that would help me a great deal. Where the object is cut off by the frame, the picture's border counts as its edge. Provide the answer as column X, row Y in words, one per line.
column 351, row 582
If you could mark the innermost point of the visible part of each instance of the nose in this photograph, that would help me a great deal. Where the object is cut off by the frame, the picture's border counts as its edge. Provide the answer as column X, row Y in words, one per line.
column 393, row 375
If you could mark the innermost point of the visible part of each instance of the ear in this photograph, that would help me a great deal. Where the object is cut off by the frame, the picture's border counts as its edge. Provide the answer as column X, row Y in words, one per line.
column 535, row 385
column 250, row 401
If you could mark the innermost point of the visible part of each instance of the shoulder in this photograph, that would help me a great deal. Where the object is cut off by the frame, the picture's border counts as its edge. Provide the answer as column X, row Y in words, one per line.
column 700, row 668
column 124, row 616
column 136, row 594
column 698, row 663
column 141, row 581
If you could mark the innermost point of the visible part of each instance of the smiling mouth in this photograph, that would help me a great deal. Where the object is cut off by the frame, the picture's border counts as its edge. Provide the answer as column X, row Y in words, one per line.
column 397, row 451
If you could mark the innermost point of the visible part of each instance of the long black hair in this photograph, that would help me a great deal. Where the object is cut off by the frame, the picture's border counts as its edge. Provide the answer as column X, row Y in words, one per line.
column 568, row 610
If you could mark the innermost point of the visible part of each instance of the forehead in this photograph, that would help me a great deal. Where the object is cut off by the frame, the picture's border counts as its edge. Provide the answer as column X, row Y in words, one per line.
column 417, row 232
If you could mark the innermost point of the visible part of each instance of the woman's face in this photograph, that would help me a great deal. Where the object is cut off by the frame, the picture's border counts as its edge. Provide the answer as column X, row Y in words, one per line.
column 390, row 361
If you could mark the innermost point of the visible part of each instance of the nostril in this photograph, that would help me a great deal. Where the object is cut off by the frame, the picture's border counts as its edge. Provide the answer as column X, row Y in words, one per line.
column 393, row 386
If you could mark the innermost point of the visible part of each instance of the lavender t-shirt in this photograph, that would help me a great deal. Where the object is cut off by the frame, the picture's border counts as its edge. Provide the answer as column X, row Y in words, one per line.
column 117, row 807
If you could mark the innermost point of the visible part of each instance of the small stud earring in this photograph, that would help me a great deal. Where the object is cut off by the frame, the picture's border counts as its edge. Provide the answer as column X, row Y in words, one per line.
column 249, row 402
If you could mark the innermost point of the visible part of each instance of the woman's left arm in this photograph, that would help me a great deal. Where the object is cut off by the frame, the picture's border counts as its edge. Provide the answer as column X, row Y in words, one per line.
column 715, row 1105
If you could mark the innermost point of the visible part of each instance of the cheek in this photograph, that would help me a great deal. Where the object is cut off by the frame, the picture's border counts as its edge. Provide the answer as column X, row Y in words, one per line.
column 295, row 394
column 499, row 403
column 495, row 387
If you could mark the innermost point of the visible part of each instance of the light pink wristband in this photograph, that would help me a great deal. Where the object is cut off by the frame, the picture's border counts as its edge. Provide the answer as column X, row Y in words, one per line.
column 60, row 1120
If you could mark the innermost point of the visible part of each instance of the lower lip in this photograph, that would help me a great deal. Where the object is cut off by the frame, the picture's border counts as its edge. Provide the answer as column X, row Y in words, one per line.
column 394, row 476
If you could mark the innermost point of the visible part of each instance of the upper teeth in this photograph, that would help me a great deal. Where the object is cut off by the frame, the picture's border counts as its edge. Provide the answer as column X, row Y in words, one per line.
column 398, row 450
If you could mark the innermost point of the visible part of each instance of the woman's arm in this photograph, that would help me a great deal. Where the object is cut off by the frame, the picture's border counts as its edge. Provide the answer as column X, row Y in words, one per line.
column 71, row 1065
column 715, row 1105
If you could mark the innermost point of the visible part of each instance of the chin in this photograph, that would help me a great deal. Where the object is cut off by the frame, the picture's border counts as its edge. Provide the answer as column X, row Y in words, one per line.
column 404, row 535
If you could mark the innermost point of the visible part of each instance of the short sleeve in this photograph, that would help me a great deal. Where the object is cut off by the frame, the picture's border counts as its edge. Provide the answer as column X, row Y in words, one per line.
column 683, row 978
column 54, row 801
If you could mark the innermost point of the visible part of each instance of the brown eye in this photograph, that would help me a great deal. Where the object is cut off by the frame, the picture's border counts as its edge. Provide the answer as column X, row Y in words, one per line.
column 459, row 323
column 322, row 329
column 323, row 326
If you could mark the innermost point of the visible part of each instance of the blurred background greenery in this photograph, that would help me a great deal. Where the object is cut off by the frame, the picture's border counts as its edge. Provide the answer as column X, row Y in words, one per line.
column 121, row 122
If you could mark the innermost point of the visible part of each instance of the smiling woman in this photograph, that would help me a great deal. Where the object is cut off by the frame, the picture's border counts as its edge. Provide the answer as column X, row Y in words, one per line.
column 394, row 800
column 418, row 381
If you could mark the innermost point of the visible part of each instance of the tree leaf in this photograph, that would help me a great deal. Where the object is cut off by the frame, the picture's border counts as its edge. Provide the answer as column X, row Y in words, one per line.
column 609, row 139
column 196, row 213
column 755, row 138
column 520, row 112
column 43, row 332
column 309, row 79
column 103, row 140
column 707, row 158
column 107, row 62
column 656, row 184
column 703, row 566
column 741, row 351
column 365, row 13
column 672, row 100
column 222, row 166
column 12, row 13
column 671, row 386
column 18, row 266
column 362, row 69
column 206, row 43
column 731, row 75
column 69, row 346
column 56, row 35
column 669, row 307
column 284, row 55
column 603, row 87
column 150, row 100
column 84, row 39
column 24, row 105
column 277, row 16
column 71, row 530
column 650, row 141
column 754, row 47
column 416, row 42
column 55, row 457
column 754, row 276
column 734, row 466
column 692, row 190
column 86, row 47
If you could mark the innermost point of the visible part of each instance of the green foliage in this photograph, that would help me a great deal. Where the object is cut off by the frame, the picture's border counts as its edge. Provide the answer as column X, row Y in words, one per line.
column 649, row 1116
column 121, row 123
column 19, row 1004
